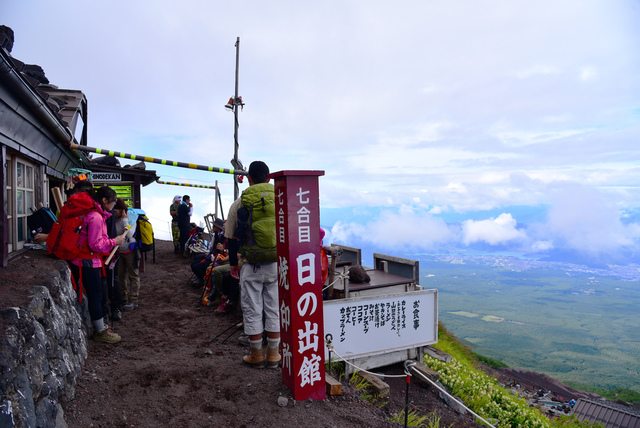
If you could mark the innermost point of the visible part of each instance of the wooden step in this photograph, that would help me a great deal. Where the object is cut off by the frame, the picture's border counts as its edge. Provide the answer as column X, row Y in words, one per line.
column 381, row 387
column 437, row 354
column 333, row 386
column 427, row 372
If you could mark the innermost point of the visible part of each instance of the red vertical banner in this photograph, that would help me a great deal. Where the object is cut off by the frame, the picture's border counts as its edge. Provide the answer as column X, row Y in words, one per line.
column 300, row 282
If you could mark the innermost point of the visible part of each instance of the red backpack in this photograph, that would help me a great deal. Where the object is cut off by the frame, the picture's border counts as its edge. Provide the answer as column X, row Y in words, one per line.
column 63, row 238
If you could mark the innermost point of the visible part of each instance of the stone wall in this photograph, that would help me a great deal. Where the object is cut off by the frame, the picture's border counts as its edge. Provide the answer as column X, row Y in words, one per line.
column 42, row 349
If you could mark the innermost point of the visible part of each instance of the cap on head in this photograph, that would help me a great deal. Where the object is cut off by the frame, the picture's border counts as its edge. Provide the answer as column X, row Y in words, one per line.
column 258, row 171
column 219, row 223
column 177, row 198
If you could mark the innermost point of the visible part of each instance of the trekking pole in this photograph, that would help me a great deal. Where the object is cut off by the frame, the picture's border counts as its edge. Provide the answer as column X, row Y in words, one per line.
column 238, row 327
column 107, row 152
column 236, row 324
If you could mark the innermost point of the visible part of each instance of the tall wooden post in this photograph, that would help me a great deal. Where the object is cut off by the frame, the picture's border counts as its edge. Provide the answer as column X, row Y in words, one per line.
column 236, row 144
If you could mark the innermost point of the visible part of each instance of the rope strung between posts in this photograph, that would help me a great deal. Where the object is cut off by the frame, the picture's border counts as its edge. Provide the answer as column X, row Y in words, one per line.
column 422, row 376
column 343, row 275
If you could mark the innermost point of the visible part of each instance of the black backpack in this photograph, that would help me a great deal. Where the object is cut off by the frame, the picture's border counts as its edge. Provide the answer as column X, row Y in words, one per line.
column 41, row 221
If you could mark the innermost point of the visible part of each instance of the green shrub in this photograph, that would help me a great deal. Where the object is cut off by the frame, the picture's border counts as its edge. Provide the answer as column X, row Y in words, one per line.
column 432, row 420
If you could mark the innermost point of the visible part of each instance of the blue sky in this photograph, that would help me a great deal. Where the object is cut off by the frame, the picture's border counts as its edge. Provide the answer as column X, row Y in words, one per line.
column 437, row 123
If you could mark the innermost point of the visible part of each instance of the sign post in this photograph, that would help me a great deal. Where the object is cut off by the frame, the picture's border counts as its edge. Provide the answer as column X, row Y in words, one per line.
column 300, row 282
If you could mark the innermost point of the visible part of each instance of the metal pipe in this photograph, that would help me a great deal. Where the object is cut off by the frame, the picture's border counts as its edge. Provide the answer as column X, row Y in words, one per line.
column 201, row 186
column 218, row 193
column 108, row 152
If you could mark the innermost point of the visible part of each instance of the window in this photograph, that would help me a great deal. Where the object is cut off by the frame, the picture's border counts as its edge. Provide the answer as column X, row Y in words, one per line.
column 24, row 197
column 19, row 194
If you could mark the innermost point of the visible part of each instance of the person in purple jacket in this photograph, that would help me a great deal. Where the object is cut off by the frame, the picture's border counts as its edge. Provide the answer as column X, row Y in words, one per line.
column 94, row 233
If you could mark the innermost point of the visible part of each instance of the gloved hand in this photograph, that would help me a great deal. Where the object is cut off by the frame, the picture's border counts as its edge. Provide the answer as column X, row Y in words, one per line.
column 235, row 272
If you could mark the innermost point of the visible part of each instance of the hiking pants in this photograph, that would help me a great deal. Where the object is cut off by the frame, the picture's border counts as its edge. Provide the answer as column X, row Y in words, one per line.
column 259, row 292
column 200, row 265
column 92, row 284
column 218, row 277
column 113, row 288
column 175, row 232
column 129, row 275
column 184, row 237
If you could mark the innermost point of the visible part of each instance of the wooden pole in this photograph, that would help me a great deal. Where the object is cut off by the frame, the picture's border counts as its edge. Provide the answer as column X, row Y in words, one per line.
column 236, row 102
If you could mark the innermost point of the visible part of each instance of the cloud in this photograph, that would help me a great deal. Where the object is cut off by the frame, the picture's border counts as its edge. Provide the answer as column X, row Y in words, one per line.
column 500, row 230
column 404, row 229
column 542, row 246
column 587, row 73
column 584, row 220
column 536, row 70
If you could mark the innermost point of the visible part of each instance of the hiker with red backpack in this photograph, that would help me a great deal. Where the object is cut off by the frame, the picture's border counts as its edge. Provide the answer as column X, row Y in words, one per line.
column 90, row 210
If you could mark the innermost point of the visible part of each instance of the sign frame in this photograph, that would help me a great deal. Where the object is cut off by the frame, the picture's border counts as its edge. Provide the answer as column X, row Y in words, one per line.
column 332, row 309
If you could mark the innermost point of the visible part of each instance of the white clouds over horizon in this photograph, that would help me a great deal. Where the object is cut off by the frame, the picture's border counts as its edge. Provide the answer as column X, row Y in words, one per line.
column 579, row 221
column 405, row 230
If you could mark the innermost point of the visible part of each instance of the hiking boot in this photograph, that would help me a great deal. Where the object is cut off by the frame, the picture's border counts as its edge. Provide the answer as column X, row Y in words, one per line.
column 254, row 359
column 116, row 315
column 130, row 306
column 273, row 358
column 106, row 336
column 224, row 307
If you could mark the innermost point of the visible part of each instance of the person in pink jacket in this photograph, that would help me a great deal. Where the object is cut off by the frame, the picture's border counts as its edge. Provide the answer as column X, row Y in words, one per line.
column 88, row 270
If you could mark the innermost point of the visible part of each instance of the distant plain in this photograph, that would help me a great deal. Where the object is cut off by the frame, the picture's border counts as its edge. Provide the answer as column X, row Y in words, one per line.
column 575, row 325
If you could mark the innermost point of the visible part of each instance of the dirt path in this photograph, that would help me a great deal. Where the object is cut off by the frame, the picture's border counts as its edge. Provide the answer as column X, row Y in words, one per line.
column 166, row 372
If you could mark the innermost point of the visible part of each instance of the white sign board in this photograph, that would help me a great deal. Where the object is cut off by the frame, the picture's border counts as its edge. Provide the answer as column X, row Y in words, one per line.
column 106, row 176
column 365, row 326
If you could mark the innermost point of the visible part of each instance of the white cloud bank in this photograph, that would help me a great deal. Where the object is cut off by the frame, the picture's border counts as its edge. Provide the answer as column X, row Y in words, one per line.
column 580, row 221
